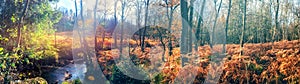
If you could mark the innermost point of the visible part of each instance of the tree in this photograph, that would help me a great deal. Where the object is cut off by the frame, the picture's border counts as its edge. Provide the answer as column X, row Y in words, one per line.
column 21, row 22
column 215, row 22
column 146, row 18
column 274, row 36
column 115, row 20
column 105, row 24
column 199, row 26
column 226, row 28
column 190, row 22
column 172, row 5
column 95, row 27
column 138, row 22
column 24, row 38
column 122, row 26
column 244, row 27
column 184, row 31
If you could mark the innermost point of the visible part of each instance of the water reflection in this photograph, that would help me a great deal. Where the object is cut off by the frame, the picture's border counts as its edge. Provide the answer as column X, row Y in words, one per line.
column 77, row 71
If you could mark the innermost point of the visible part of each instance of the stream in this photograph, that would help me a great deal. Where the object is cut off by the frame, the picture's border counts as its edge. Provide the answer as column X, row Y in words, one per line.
column 57, row 75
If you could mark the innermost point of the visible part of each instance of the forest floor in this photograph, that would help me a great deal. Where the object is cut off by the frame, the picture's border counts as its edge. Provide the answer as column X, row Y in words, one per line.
column 277, row 62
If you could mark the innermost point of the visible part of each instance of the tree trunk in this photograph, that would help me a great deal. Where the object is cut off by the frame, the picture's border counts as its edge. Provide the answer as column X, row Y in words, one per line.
column 170, row 17
column 122, row 28
column 138, row 21
column 260, row 25
column 190, row 21
column 243, row 29
column 276, row 17
column 183, row 42
column 95, row 27
column 226, row 29
column 170, row 32
column 199, row 24
column 115, row 16
column 104, row 32
column 20, row 24
column 144, row 32
column 276, row 23
column 215, row 23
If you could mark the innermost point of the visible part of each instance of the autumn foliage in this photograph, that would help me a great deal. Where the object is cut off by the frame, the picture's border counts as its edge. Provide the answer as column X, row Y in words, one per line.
column 277, row 62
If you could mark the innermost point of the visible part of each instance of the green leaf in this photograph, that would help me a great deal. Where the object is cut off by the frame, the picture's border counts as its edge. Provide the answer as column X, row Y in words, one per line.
column 6, row 55
column 1, row 49
column 3, row 66
column 13, row 19
column 13, row 65
column 26, row 60
column 6, row 39
column 31, row 56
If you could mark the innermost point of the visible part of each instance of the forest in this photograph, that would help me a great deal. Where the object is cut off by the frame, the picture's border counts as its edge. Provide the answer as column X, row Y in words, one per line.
column 149, row 41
